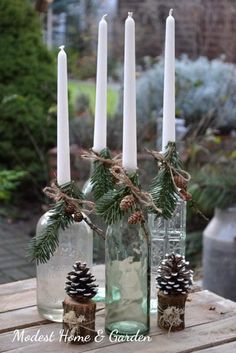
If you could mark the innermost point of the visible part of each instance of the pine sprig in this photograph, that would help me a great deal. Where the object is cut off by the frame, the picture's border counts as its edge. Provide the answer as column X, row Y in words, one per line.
column 164, row 193
column 72, row 190
column 42, row 247
column 163, row 190
column 101, row 179
column 108, row 206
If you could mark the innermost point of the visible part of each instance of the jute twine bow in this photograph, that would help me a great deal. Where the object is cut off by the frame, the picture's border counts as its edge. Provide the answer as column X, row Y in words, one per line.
column 93, row 156
column 142, row 196
column 55, row 193
column 171, row 316
column 173, row 171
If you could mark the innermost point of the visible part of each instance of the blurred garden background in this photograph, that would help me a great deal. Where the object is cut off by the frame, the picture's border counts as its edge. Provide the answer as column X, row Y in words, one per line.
column 31, row 32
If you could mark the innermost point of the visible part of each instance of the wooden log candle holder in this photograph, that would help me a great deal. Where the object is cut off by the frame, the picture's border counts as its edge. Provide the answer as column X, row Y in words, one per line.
column 171, row 311
column 174, row 281
column 79, row 321
column 79, row 309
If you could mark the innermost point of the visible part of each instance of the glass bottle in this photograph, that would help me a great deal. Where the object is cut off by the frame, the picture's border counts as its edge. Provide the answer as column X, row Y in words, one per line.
column 98, row 242
column 75, row 243
column 167, row 236
column 127, row 279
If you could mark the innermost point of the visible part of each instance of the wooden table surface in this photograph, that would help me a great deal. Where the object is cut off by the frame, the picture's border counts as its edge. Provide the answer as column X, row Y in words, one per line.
column 210, row 326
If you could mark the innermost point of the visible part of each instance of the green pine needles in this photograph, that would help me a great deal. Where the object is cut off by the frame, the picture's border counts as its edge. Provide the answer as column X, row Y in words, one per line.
column 101, row 179
column 108, row 206
column 164, row 192
column 60, row 216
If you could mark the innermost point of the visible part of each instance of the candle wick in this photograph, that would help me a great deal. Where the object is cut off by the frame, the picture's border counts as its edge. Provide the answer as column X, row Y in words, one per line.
column 130, row 14
column 62, row 47
column 171, row 12
column 104, row 16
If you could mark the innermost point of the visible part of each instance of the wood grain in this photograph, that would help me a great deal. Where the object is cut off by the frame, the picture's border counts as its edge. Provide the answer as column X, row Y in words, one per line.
column 210, row 322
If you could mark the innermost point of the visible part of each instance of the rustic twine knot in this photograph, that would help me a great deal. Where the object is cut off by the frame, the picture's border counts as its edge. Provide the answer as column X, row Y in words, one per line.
column 55, row 193
column 75, row 323
column 171, row 316
column 142, row 196
column 177, row 174
column 94, row 156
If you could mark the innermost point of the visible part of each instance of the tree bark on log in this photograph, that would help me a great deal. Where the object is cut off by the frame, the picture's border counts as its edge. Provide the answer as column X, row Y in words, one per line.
column 79, row 321
column 171, row 311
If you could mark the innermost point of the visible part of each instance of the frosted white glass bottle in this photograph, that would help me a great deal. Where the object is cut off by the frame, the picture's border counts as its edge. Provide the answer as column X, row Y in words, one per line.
column 75, row 243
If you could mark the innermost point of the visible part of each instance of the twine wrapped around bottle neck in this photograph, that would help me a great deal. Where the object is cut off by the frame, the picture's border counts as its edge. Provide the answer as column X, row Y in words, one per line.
column 142, row 196
column 94, row 156
column 55, row 193
column 173, row 171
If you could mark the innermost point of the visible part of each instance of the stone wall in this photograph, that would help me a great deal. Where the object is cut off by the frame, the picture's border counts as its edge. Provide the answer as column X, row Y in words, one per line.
column 203, row 27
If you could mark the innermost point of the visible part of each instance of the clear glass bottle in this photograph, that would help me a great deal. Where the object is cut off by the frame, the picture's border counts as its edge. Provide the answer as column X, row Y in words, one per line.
column 127, row 279
column 75, row 243
column 167, row 236
column 98, row 242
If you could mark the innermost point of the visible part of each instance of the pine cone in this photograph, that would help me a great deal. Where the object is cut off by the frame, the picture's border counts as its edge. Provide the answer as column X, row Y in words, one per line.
column 127, row 202
column 70, row 208
column 180, row 182
column 136, row 217
column 174, row 276
column 186, row 196
column 80, row 283
column 78, row 217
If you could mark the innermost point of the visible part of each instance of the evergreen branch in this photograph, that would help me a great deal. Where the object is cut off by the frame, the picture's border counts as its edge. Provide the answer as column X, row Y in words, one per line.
column 101, row 179
column 42, row 247
column 108, row 206
column 72, row 190
column 68, row 208
column 164, row 193
column 163, row 188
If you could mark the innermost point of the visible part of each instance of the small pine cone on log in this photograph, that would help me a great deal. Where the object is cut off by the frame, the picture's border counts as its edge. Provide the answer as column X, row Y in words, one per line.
column 180, row 182
column 136, row 217
column 127, row 202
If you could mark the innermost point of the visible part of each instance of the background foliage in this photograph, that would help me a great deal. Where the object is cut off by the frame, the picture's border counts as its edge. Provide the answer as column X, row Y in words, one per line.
column 201, row 86
column 27, row 93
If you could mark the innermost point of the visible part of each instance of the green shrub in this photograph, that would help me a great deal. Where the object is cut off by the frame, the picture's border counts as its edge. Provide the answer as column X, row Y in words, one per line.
column 27, row 92
column 9, row 181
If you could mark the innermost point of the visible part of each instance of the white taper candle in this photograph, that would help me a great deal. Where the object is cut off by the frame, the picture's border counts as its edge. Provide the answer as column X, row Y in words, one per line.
column 168, row 132
column 63, row 145
column 100, row 123
column 129, row 159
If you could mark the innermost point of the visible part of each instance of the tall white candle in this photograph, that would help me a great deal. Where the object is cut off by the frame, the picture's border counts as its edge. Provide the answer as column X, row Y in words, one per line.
column 100, row 124
column 63, row 146
column 168, row 132
column 129, row 159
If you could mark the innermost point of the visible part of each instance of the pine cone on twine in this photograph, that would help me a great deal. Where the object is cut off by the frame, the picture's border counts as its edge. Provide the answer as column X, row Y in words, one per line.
column 78, row 217
column 180, row 182
column 80, row 283
column 136, row 217
column 70, row 208
column 127, row 202
column 174, row 276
